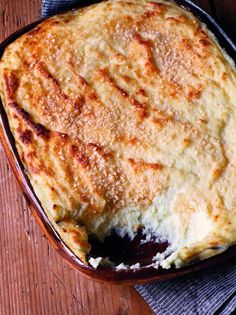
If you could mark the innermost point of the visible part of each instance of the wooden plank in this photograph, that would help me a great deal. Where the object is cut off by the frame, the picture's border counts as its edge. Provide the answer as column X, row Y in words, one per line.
column 226, row 14
column 34, row 279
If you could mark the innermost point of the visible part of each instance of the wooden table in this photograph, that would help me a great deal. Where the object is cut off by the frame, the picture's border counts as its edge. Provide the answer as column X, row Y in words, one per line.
column 34, row 279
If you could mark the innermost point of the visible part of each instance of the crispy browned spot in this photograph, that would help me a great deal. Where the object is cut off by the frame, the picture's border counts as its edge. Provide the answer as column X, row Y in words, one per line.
column 216, row 173
column 141, row 108
column 160, row 119
column 194, row 93
column 31, row 155
column 186, row 44
column 173, row 89
column 52, row 81
column 107, row 77
column 140, row 165
column 46, row 169
column 127, row 140
column 62, row 136
column 224, row 76
column 26, row 136
column 172, row 19
column 213, row 244
column 186, row 143
column 141, row 92
column 99, row 149
column 157, row 6
column 68, row 19
column 149, row 14
column 80, row 156
column 38, row 129
column 204, row 42
column 141, row 49
column 202, row 121
column 11, row 84
column 79, row 103
column 38, row 167
column 126, row 78
column 86, row 89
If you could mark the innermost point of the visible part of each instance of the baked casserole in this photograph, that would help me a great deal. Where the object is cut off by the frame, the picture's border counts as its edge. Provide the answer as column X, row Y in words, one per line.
column 124, row 116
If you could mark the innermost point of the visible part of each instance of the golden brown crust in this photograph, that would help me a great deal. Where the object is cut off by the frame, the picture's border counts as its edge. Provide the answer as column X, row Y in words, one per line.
column 111, row 111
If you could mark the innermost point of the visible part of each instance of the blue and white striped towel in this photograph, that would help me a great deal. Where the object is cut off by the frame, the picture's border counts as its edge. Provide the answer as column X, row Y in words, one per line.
column 208, row 292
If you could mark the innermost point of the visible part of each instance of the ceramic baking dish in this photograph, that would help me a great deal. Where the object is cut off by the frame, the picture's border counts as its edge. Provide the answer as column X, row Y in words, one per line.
column 124, row 248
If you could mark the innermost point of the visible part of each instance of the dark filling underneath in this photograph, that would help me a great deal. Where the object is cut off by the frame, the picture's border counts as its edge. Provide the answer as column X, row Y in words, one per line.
column 124, row 250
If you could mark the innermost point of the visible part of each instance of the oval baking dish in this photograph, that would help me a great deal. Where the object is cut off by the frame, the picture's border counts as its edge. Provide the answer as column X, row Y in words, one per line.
column 141, row 252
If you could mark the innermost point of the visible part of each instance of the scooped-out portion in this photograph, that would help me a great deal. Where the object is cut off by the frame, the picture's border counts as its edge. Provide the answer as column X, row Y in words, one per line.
column 124, row 116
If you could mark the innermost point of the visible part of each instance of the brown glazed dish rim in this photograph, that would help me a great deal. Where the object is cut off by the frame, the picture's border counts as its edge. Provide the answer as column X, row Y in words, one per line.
column 124, row 276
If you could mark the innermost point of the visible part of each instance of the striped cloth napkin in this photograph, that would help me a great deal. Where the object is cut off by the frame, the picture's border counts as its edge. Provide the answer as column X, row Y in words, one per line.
column 208, row 292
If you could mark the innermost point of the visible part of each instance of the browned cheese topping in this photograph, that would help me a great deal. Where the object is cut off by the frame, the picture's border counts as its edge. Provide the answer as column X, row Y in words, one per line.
column 113, row 105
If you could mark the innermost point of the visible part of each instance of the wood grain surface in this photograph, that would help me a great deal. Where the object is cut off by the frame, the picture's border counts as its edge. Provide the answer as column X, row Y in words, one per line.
column 34, row 279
